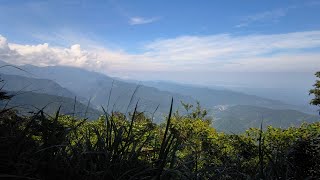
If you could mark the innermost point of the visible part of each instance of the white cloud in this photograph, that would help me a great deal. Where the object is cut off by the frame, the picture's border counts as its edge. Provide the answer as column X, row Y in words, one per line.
column 223, row 47
column 290, row 52
column 4, row 48
column 46, row 55
column 273, row 16
column 142, row 20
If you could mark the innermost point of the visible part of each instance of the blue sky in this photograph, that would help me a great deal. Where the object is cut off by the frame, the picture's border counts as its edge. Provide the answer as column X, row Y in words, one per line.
column 134, row 38
column 109, row 20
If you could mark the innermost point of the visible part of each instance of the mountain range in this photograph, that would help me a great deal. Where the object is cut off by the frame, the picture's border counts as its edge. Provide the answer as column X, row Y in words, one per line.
column 152, row 97
column 236, row 119
column 28, row 103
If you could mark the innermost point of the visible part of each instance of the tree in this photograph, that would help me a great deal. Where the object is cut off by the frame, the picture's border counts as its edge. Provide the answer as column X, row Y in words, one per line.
column 197, row 112
column 316, row 91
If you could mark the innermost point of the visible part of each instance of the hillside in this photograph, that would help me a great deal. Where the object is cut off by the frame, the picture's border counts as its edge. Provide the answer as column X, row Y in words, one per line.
column 125, row 95
column 44, row 86
column 96, row 86
column 30, row 102
column 238, row 118
column 210, row 97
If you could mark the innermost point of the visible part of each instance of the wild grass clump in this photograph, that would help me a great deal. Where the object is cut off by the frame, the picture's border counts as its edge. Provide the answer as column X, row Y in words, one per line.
column 131, row 146
column 61, row 147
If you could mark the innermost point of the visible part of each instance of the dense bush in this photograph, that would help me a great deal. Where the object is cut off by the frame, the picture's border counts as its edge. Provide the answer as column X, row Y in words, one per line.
column 119, row 146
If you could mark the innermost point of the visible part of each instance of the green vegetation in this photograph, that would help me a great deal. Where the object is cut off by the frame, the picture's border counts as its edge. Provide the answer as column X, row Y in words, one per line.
column 316, row 91
column 117, row 146
column 132, row 146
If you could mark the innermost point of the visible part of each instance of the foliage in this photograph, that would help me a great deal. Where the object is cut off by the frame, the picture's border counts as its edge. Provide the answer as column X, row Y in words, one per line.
column 120, row 146
column 316, row 91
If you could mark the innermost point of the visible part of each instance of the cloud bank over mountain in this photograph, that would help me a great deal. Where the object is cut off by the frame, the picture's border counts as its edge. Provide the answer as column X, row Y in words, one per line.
column 289, row 52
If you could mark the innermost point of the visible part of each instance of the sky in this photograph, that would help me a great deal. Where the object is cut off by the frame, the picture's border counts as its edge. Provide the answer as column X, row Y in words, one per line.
column 177, row 40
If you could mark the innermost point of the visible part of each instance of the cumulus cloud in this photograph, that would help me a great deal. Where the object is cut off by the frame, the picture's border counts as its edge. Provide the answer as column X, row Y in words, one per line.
column 46, row 55
column 3, row 45
column 223, row 53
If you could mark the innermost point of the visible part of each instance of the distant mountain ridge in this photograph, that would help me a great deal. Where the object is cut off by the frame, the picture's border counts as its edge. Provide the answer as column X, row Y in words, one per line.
column 44, row 86
column 83, row 82
column 154, row 97
column 210, row 97
column 97, row 87
column 31, row 102
column 236, row 119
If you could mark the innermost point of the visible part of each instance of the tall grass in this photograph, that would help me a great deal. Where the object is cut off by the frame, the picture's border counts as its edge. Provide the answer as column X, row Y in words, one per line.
column 47, row 147
column 131, row 146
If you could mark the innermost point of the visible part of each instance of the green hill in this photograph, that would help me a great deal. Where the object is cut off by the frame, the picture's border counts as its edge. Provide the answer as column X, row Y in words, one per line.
column 44, row 86
column 238, row 118
column 30, row 102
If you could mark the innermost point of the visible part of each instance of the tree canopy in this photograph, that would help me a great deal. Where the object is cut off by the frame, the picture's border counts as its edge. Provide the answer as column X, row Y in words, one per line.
column 316, row 91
